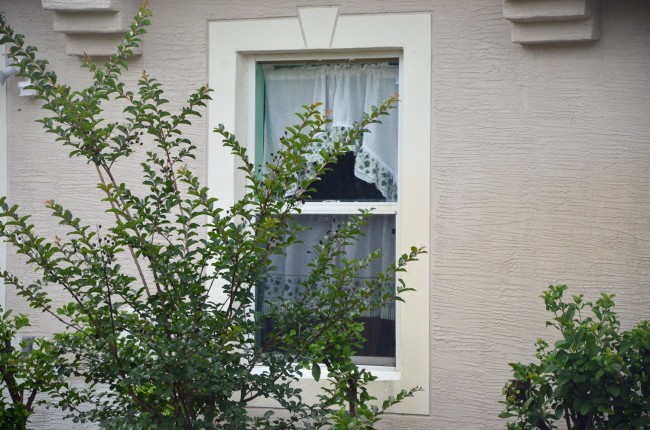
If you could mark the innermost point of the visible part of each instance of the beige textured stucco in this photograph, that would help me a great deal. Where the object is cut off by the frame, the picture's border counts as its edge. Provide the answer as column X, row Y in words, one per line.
column 540, row 173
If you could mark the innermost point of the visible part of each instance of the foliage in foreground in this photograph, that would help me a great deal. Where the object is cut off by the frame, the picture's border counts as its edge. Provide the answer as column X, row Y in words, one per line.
column 155, row 351
column 594, row 377
column 24, row 371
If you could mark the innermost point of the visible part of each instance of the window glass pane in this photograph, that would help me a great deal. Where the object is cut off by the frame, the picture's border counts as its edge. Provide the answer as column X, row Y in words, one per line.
column 369, row 171
column 287, row 281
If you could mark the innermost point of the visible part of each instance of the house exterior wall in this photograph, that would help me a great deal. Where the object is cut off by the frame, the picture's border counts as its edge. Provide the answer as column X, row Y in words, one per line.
column 3, row 170
column 540, row 173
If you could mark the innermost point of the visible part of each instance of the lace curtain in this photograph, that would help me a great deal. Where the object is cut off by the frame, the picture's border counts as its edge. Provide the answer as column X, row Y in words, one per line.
column 347, row 91
column 286, row 282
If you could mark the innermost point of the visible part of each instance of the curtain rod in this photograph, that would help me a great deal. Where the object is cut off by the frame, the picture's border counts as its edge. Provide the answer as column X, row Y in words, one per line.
column 390, row 61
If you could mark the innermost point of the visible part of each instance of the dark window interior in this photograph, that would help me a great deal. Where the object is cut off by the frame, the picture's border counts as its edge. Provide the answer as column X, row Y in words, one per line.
column 340, row 183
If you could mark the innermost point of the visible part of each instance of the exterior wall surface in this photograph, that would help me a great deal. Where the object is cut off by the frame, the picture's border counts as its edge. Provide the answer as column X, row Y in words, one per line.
column 3, row 171
column 540, row 161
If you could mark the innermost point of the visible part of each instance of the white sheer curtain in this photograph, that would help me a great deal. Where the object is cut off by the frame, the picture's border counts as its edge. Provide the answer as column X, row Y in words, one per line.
column 291, row 270
column 347, row 91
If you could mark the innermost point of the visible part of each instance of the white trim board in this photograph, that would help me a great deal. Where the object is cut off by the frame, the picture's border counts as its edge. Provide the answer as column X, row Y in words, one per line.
column 232, row 45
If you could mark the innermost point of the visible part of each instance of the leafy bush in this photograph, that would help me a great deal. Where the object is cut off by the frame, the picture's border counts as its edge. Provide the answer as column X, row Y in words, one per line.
column 155, row 351
column 24, row 371
column 594, row 377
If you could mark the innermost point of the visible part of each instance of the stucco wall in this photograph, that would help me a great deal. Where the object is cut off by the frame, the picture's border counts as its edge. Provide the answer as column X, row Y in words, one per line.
column 540, row 173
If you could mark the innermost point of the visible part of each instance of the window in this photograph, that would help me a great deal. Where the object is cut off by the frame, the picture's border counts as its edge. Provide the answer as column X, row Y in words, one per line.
column 360, row 179
column 236, row 47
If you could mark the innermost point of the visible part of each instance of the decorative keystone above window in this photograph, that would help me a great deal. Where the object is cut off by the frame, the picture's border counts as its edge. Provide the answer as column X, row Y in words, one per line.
column 92, row 27
column 553, row 21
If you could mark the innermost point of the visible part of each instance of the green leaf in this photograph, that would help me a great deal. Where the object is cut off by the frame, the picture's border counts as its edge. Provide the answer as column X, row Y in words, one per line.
column 562, row 344
column 315, row 371
column 614, row 390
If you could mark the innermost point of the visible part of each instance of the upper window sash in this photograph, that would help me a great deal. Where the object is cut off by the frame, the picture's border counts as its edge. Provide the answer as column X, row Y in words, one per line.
column 347, row 91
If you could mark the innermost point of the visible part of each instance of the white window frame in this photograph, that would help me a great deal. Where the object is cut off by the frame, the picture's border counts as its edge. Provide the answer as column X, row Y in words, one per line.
column 322, row 33
column 322, row 207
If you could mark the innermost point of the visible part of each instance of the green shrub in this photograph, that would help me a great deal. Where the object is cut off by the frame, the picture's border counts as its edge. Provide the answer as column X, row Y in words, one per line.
column 24, row 371
column 155, row 351
column 594, row 376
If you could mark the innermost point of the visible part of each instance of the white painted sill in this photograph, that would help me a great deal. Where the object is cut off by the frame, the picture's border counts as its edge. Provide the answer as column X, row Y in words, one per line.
column 383, row 373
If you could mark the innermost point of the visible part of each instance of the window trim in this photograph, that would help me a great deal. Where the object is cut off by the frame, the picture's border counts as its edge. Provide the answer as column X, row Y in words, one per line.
column 322, row 32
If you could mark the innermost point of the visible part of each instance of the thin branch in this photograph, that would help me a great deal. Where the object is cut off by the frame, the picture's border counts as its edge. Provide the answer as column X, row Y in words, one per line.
column 117, row 217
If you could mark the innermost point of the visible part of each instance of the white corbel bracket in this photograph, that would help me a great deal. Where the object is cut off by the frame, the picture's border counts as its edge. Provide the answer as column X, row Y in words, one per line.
column 92, row 27
column 553, row 21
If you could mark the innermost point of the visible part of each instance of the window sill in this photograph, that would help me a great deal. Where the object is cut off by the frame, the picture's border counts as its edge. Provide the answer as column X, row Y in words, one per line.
column 383, row 373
